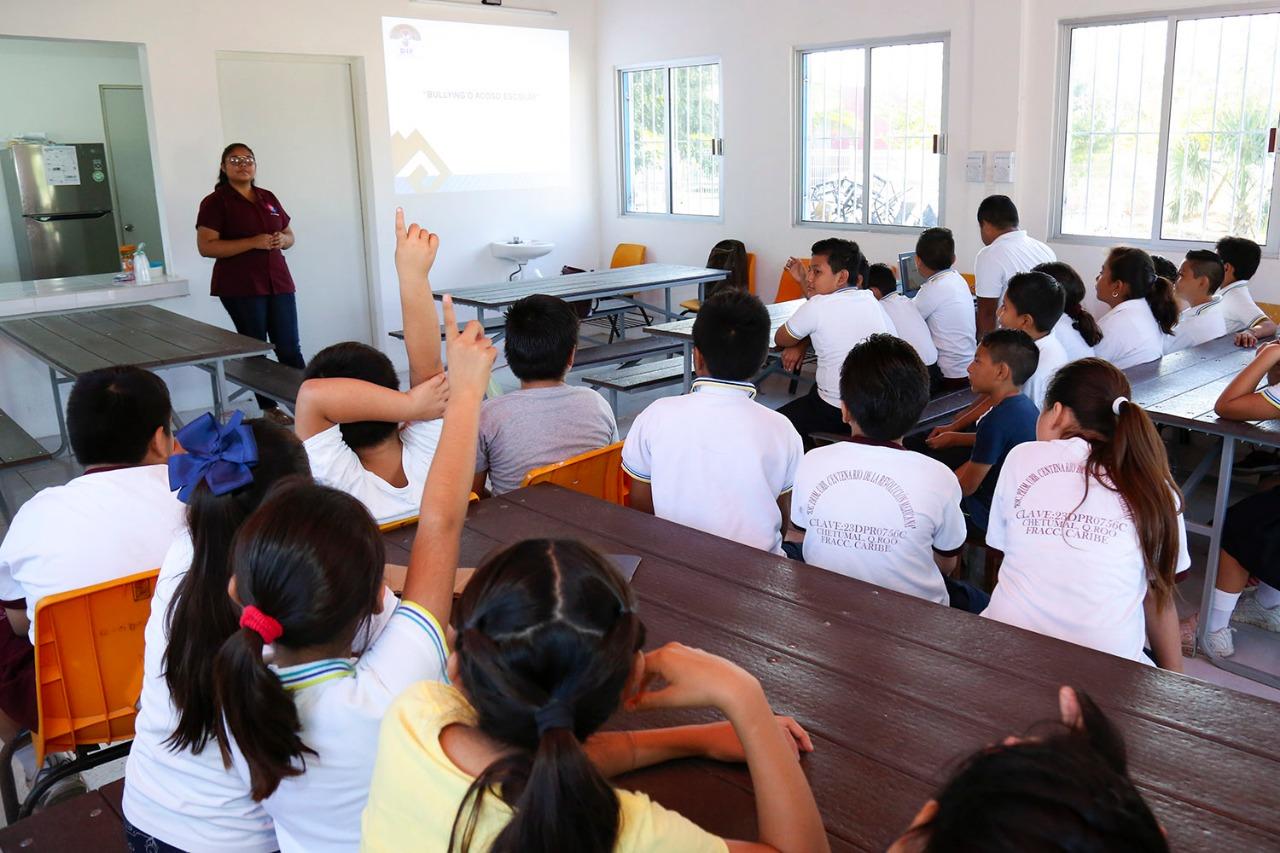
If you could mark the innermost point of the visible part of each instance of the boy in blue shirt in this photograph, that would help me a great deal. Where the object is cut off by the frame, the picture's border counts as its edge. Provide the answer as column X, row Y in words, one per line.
column 1005, row 360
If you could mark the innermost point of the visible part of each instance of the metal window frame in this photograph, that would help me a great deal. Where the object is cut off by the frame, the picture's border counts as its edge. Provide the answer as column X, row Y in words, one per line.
column 623, row 135
column 798, row 138
column 1154, row 240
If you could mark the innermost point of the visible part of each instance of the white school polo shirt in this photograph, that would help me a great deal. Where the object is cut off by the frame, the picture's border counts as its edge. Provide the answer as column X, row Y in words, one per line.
column 100, row 526
column 945, row 303
column 1071, row 570
column 1008, row 255
column 1239, row 310
column 1130, row 335
column 717, row 461
column 1071, row 339
column 1197, row 324
column 910, row 326
column 1052, row 356
column 877, row 512
column 335, row 464
column 836, row 323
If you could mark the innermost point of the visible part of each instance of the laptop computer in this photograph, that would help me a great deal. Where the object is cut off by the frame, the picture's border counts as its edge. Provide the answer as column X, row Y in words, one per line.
column 910, row 280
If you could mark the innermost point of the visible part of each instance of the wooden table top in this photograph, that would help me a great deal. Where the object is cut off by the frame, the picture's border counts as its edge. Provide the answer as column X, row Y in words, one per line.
column 141, row 335
column 893, row 689
column 779, row 313
column 585, row 285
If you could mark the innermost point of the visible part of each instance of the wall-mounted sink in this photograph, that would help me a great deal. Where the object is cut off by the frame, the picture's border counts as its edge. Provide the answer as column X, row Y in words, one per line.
column 521, row 252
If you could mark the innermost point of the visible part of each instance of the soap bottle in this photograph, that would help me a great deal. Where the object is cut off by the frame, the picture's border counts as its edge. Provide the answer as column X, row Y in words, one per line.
column 141, row 265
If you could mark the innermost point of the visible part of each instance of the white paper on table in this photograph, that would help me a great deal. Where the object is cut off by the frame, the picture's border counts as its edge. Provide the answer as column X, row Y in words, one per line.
column 61, row 168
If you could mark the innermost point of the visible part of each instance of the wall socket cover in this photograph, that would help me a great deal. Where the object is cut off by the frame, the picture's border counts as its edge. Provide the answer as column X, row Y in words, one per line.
column 975, row 167
column 1002, row 167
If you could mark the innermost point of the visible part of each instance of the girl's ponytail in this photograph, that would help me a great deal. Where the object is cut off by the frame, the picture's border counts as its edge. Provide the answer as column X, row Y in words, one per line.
column 1163, row 305
column 547, row 636
column 258, row 712
column 1073, row 286
column 1135, row 268
column 1126, row 454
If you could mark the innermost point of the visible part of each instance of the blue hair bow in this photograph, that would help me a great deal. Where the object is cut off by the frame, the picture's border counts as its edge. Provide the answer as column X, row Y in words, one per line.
column 218, row 454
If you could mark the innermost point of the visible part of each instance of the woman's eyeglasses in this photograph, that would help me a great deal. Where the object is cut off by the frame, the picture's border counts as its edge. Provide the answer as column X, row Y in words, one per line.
column 240, row 161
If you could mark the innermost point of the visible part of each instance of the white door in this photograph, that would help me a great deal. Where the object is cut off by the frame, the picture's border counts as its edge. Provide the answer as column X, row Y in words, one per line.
column 133, row 182
column 297, row 116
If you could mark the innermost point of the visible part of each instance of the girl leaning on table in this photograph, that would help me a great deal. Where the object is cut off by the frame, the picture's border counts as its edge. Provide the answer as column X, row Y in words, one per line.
column 1251, row 529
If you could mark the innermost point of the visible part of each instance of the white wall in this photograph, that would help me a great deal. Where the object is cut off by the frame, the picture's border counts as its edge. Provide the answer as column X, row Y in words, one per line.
column 179, row 42
column 1003, row 72
column 67, row 108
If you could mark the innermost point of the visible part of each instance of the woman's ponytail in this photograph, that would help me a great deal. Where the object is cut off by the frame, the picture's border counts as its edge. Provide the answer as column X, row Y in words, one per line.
column 257, row 712
column 1127, row 455
column 1137, row 270
column 1073, row 286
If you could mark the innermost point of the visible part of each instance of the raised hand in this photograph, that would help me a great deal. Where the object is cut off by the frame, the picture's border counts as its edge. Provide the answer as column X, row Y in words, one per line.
column 430, row 398
column 469, row 353
column 416, row 248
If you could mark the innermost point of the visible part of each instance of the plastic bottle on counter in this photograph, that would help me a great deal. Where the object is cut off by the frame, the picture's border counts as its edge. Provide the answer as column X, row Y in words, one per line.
column 141, row 265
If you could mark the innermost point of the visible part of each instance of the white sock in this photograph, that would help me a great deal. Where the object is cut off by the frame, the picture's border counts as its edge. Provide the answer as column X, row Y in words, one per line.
column 1224, row 603
column 1268, row 596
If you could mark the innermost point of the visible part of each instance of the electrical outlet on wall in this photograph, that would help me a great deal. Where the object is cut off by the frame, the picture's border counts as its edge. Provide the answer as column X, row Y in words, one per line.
column 975, row 167
column 1002, row 167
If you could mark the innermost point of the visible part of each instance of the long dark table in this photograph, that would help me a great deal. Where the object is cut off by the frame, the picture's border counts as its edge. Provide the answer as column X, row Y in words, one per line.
column 894, row 689
column 142, row 335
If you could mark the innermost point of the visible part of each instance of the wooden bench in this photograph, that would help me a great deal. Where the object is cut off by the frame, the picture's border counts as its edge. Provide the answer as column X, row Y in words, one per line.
column 640, row 377
column 267, row 377
column 624, row 351
column 17, row 447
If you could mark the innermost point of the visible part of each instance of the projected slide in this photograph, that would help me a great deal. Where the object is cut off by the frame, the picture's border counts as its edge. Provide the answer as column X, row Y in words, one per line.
column 475, row 107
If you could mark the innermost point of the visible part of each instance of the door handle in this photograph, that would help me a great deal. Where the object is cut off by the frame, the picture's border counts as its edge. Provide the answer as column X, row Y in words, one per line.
column 128, row 228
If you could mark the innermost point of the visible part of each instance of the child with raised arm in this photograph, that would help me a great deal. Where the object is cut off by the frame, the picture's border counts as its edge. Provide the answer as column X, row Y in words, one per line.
column 362, row 434
column 509, row 755
column 307, row 568
column 1251, row 529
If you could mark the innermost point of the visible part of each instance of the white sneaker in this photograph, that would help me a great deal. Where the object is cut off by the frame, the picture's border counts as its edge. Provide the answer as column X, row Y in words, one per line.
column 1219, row 643
column 1250, row 612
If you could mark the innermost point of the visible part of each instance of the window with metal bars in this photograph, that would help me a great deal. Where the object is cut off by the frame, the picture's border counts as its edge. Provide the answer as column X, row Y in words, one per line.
column 671, row 139
column 1169, row 128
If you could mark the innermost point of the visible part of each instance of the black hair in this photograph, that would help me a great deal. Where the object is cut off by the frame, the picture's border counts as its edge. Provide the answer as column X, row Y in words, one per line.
column 1039, row 295
column 201, row 616
column 545, row 626
column 729, row 255
column 885, row 386
column 311, row 558
column 1135, row 268
column 1243, row 254
column 864, row 267
column 732, row 334
column 1073, row 289
column 936, row 249
column 354, row 360
column 1206, row 264
column 114, row 412
column 226, row 152
column 841, row 255
column 542, row 333
column 1013, row 347
column 881, row 277
column 998, row 210
column 1068, row 790
column 1164, row 267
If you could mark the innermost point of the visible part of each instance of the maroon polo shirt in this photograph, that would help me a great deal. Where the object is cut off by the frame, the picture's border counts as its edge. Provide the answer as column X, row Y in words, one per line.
column 257, row 272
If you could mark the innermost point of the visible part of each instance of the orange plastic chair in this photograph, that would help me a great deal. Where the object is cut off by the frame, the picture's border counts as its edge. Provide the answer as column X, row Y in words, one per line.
column 88, row 651
column 627, row 255
column 597, row 473
column 971, row 280
column 692, row 305
column 788, row 287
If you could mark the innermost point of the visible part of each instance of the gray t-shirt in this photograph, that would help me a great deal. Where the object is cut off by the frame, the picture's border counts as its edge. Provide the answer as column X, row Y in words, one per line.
column 532, row 427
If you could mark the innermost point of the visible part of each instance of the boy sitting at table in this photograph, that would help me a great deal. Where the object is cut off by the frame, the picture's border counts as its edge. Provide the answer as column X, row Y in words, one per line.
column 906, row 320
column 715, row 459
column 546, row 420
column 871, row 509
column 116, row 519
column 350, row 408
column 838, row 315
column 1204, row 318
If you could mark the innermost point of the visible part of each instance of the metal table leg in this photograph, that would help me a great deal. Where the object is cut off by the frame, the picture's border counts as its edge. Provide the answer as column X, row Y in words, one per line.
column 688, row 366
column 666, row 299
column 219, row 388
column 65, row 439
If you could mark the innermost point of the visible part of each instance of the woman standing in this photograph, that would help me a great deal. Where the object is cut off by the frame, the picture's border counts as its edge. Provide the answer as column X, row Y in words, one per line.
column 246, row 230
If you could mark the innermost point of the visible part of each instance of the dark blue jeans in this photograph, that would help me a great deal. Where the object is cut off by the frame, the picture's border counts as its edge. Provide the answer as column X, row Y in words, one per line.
column 271, row 318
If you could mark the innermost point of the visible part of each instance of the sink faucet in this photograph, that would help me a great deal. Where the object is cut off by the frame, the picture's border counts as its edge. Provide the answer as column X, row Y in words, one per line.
column 516, row 241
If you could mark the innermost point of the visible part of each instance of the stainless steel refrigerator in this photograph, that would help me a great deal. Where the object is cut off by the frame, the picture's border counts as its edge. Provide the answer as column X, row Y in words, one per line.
column 60, row 207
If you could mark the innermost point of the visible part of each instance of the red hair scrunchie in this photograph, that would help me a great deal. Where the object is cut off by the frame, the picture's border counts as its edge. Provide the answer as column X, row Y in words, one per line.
column 261, row 624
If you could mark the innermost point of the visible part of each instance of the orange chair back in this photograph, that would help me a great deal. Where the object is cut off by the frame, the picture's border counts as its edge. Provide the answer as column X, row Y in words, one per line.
column 788, row 287
column 971, row 280
column 597, row 473
column 89, row 663
column 627, row 255
column 751, row 272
